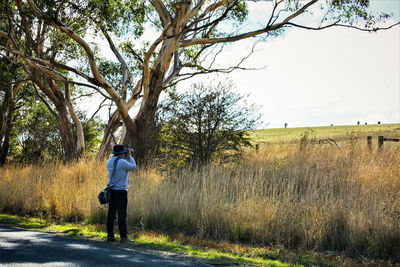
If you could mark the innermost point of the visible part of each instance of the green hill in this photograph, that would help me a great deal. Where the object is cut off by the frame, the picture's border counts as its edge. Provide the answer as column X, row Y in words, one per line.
column 337, row 133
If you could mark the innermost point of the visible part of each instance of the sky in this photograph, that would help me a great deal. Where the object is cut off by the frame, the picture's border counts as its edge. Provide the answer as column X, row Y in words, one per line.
column 335, row 76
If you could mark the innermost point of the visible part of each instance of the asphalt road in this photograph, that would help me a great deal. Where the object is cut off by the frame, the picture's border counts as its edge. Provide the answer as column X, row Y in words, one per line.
column 19, row 247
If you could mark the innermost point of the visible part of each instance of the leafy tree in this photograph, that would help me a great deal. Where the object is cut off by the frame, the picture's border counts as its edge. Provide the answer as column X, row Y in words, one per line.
column 92, row 128
column 205, row 121
column 189, row 31
column 31, row 37
column 37, row 134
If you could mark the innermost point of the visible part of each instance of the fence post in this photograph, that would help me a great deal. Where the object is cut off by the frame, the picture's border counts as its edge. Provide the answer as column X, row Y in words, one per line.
column 369, row 142
column 380, row 141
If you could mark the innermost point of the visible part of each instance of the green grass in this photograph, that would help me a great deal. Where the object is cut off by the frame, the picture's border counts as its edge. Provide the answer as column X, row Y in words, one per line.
column 213, row 256
column 334, row 132
column 158, row 242
column 30, row 223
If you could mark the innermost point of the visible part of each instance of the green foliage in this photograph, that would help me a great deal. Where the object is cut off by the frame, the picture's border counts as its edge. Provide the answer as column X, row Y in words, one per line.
column 36, row 137
column 30, row 223
column 37, row 134
column 92, row 129
column 352, row 10
column 239, row 12
column 122, row 17
column 206, row 121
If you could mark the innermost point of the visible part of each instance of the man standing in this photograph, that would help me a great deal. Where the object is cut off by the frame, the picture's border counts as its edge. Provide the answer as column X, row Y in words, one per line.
column 118, row 182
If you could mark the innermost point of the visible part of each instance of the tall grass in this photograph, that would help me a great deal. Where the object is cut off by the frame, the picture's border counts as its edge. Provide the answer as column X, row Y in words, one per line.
column 57, row 191
column 304, row 196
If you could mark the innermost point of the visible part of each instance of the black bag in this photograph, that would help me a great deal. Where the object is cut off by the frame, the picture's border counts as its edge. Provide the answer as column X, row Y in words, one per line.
column 105, row 195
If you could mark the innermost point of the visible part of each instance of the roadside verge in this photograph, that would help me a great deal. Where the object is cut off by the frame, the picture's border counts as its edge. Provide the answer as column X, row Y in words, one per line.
column 157, row 243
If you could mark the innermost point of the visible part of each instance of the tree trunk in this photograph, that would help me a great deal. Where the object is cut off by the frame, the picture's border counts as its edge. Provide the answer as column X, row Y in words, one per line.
column 66, row 133
column 108, row 140
column 6, row 128
column 5, row 145
column 67, row 136
column 7, row 120
column 3, row 129
column 141, row 135
column 80, row 138
column 4, row 114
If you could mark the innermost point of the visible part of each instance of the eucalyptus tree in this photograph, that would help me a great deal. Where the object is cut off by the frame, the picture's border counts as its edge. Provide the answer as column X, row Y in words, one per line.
column 187, row 32
column 10, row 99
column 45, row 51
column 29, row 38
column 11, row 84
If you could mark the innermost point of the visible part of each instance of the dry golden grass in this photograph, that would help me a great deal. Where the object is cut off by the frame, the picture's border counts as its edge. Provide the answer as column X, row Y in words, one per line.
column 57, row 191
column 298, row 196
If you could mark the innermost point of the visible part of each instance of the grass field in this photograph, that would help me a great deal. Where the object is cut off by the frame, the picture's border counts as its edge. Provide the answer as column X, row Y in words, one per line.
column 305, row 196
column 268, row 136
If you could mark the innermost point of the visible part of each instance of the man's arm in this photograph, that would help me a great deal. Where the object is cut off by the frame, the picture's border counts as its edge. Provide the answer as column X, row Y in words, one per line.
column 129, row 164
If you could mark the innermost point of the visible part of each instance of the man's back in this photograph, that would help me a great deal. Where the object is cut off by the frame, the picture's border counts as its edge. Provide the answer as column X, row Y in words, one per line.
column 119, row 180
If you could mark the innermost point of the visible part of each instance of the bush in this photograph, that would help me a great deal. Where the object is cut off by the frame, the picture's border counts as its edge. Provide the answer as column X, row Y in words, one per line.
column 206, row 121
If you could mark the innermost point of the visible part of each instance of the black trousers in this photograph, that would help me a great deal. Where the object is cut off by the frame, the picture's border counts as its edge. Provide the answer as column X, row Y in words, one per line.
column 118, row 203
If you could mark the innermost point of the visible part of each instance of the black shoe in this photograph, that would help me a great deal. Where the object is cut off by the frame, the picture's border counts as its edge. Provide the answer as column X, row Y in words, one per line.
column 111, row 239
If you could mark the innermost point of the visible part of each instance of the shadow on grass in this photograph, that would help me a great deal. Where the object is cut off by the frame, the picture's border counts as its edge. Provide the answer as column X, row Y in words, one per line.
column 73, row 231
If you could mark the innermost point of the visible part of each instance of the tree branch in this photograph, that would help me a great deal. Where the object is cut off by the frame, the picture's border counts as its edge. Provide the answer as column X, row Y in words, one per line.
column 146, row 68
column 92, row 62
column 15, row 82
column 91, row 86
column 100, row 80
column 45, row 102
column 136, row 55
column 300, row 11
column 80, row 142
column 246, row 35
column 210, row 69
column 124, row 82
column 48, row 65
column 367, row 30
column 196, row 9
column 313, row 28
column 175, row 69
column 100, row 107
column 135, row 96
column 162, row 11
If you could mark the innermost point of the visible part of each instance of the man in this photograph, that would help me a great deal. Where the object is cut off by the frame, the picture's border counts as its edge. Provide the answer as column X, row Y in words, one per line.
column 118, row 183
